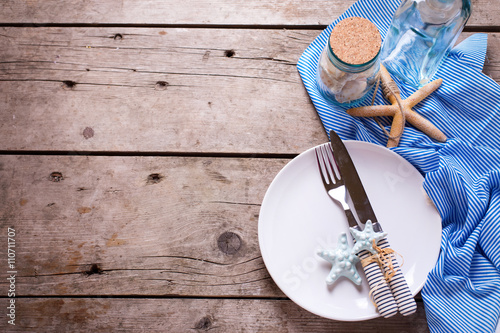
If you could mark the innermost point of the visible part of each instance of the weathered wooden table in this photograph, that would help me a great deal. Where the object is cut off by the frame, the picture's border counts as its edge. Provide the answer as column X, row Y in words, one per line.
column 137, row 141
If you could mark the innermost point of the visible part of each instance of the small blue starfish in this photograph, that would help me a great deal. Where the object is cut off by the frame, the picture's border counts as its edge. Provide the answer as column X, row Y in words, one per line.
column 343, row 261
column 364, row 239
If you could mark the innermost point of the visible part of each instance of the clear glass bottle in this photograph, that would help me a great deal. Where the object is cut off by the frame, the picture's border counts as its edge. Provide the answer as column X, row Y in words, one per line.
column 349, row 64
column 420, row 35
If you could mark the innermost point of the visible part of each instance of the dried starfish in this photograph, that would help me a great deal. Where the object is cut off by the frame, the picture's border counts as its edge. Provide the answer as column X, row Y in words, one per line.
column 401, row 110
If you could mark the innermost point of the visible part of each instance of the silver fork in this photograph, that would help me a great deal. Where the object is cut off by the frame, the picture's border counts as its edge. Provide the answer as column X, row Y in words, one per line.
column 336, row 189
column 334, row 185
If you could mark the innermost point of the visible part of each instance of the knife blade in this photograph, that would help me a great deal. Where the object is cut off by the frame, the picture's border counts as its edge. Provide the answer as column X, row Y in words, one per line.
column 399, row 287
column 352, row 181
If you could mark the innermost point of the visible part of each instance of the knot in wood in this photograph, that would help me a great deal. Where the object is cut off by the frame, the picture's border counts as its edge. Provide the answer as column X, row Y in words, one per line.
column 161, row 85
column 229, row 53
column 68, row 85
column 229, row 242
column 94, row 269
column 204, row 324
column 154, row 178
column 88, row 132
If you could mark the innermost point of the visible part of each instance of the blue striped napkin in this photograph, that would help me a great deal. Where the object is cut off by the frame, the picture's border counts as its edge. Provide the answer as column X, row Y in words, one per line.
column 462, row 175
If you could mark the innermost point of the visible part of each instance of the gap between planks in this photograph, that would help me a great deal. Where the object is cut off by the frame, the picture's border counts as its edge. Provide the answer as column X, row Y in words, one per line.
column 148, row 153
column 319, row 27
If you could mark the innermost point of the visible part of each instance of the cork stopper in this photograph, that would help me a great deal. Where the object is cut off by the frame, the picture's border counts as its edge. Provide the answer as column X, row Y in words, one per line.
column 355, row 40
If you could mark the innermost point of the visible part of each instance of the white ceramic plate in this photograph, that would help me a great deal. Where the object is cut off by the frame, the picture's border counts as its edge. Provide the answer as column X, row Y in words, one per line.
column 297, row 218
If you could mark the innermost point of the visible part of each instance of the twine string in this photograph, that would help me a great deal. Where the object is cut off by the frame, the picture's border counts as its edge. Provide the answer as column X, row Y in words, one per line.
column 383, row 257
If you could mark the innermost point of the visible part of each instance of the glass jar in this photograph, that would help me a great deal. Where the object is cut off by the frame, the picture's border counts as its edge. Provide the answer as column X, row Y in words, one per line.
column 349, row 64
column 421, row 34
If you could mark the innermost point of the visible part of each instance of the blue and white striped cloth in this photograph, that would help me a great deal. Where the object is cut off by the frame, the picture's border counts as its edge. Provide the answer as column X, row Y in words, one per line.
column 462, row 175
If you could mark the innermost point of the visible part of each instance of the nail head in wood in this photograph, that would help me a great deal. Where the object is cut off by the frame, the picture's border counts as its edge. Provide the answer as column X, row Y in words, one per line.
column 56, row 176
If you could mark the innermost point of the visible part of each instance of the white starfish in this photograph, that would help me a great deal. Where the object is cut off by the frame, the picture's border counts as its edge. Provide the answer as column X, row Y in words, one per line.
column 343, row 261
column 364, row 239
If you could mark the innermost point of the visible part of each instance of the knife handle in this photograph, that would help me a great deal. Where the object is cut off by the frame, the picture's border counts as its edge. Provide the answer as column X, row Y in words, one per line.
column 399, row 287
column 382, row 295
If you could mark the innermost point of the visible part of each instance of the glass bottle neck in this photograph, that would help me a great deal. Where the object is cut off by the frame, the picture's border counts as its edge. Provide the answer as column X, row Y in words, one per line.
column 350, row 68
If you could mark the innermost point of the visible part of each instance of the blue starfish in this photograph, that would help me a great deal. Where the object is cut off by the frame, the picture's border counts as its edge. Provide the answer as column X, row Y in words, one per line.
column 364, row 239
column 343, row 261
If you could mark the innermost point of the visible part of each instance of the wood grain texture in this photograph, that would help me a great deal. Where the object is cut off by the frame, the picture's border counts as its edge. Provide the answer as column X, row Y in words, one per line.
column 158, row 243
column 190, row 315
column 223, row 12
column 136, row 225
column 160, row 90
column 166, row 90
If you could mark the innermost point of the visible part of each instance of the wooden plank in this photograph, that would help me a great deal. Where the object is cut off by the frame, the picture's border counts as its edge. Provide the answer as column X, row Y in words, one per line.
column 135, row 225
column 188, row 90
column 224, row 12
column 160, row 90
column 189, row 315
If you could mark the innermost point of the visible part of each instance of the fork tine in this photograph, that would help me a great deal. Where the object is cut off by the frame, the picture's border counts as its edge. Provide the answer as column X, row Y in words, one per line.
column 331, row 161
column 324, row 158
column 321, row 166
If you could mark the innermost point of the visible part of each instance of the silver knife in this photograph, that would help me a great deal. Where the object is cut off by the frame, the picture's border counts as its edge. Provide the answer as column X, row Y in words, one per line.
column 400, row 290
